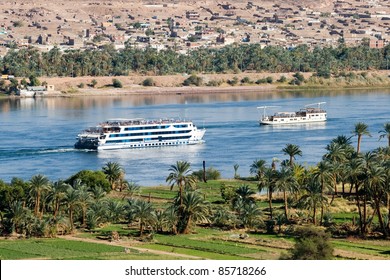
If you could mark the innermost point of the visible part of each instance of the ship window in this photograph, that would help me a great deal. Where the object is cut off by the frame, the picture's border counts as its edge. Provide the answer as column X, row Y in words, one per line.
column 180, row 125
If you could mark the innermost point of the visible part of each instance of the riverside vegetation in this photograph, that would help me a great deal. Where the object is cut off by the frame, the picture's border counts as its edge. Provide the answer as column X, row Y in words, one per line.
column 285, row 210
column 339, row 66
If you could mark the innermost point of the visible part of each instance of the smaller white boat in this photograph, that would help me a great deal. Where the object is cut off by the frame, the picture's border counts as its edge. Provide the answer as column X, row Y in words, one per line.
column 308, row 114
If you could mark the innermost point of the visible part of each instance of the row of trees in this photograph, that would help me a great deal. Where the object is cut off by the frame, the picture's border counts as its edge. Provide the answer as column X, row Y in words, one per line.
column 39, row 207
column 233, row 58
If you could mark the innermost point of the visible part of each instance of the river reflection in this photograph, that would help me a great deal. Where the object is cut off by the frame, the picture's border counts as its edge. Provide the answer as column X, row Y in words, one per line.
column 139, row 100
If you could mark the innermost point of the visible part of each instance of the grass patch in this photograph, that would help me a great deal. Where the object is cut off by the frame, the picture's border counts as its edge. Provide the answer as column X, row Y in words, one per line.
column 54, row 249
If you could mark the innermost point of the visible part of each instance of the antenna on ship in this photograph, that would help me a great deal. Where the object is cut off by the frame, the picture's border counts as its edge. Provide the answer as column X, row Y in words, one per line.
column 318, row 104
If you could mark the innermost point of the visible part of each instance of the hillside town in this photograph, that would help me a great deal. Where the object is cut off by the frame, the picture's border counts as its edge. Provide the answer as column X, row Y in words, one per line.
column 186, row 25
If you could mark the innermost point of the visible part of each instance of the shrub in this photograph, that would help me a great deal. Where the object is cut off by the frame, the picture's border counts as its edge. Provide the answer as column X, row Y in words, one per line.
column 34, row 81
column 246, row 80
column 81, row 85
column 116, row 83
column 148, row 82
column 233, row 82
column 261, row 81
column 312, row 244
column 298, row 76
column 269, row 80
column 193, row 80
column 93, row 83
column 282, row 79
column 227, row 192
column 211, row 174
column 214, row 83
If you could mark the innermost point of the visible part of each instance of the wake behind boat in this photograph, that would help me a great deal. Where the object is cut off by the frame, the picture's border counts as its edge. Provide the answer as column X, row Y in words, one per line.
column 139, row 133
column 308, row 114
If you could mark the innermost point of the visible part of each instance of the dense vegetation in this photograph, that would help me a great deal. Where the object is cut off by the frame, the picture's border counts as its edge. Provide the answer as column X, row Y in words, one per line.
column 304, row 195
column 233, row 58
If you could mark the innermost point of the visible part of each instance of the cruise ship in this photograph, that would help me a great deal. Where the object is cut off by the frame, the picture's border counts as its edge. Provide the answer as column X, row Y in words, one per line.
column 308, row 114
column 139, row 133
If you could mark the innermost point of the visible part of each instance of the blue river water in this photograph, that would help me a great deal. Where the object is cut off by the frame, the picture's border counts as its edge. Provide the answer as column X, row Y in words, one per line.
column 38, row 134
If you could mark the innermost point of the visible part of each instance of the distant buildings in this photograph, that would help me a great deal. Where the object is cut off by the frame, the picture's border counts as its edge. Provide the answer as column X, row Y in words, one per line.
column 186, row 25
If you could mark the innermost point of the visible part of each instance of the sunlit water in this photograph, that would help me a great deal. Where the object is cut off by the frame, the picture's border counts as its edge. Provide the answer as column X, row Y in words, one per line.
column 38, row 134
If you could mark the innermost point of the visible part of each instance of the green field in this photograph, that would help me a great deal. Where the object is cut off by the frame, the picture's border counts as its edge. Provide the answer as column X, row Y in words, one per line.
column 201, row 243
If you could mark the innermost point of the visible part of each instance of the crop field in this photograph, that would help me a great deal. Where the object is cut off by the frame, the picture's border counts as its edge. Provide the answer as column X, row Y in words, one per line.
column 203, row 242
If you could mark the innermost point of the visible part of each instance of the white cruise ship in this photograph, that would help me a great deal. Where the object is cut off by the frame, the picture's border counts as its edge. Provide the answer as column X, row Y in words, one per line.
column 309, row 114
column 139, row 133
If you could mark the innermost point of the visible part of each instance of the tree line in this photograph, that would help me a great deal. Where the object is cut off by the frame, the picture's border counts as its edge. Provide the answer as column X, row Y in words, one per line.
column 107, row 61
column 39, row 207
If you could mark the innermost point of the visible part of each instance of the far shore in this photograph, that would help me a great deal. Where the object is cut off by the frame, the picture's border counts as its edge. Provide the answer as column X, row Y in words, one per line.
column 173, row 84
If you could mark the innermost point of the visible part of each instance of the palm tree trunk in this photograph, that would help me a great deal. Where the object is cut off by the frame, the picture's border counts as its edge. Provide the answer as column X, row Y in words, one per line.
column 270, row 203
column 188, row 225
column 359, row 210
column 37, row 202
column 358, row 143
column 322, row 205
column 71, row 217
column 388, row 209
column 365, row 211
column 285, row 205
column 378, row 210
column 141, row 228
column 314, row 215
column 84, row 215
column 56, row 208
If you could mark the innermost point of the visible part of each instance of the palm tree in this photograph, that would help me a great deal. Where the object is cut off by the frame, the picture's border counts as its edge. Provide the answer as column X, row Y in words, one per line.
column 85, row 199
column 286, row 182
column 244, row 194
column 38, row 185
column 115, row 210
column 376, row 182
column 323, row 173
column 251, row 215
column 257, row 167
column 236, row 166
column 143, row 211
column 171, row 218
column 180, row 175
column 16, row 216
column 114, row 173
column 195, row 209
column 360, row 130
column 131, row 187
column 268, row 182
column 354, row 171
column 313, row 197
column 72, row 201
column 57, row 195
column 385, row 133
column 292, row 150
column 337, row 156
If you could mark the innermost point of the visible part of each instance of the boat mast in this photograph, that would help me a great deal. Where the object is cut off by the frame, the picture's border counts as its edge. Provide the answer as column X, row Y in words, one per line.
column 265, row 107
column 318, row 104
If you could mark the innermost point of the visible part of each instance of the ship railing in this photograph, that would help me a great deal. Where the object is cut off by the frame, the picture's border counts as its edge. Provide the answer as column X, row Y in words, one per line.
column 140, row 122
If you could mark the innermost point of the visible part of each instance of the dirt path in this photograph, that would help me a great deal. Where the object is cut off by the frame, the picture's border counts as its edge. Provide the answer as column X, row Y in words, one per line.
column 129, row 245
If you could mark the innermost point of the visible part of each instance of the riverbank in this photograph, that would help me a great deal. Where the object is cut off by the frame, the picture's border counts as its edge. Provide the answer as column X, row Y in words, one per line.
column 212, row 83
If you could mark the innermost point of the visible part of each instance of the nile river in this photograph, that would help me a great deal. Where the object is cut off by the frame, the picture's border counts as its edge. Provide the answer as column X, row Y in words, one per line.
column 37, row 135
